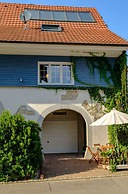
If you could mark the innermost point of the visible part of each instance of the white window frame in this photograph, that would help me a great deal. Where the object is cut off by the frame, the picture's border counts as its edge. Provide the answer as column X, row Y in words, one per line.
column 54, row 63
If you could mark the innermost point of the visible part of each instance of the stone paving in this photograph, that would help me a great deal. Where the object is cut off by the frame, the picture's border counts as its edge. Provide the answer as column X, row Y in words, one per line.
column 71, row 166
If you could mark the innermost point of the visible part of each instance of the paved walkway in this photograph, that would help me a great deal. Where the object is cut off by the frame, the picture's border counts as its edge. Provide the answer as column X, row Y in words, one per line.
column 109, row 185
column 70, row 166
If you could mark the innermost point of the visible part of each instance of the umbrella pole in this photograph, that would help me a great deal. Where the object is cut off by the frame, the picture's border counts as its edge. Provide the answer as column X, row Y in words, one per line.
column 117, row 143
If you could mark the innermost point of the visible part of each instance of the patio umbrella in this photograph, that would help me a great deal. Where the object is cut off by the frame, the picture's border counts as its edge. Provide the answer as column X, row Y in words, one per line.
column 114, row 117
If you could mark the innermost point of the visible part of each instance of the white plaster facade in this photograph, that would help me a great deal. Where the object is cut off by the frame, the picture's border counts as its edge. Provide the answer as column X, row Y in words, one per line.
column 38, row 103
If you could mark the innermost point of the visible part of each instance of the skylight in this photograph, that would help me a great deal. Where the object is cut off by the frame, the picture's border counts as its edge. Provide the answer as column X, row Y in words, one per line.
column 69, row 16
column 51, row 27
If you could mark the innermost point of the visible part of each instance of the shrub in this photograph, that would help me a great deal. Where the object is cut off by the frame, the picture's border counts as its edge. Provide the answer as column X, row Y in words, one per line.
column 120, row 133
column 20, row 148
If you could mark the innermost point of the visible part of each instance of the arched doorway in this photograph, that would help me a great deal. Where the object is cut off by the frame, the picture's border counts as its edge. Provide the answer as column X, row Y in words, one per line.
column 84, row 115
column 63, row 131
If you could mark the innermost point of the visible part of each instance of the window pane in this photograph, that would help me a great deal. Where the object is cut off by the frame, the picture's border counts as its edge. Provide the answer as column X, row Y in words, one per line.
column 55, row 74
column 72, row 16
column 46, row 15
column 86, row 17
column 59, row 15
column 66, row 73
column 44, row 76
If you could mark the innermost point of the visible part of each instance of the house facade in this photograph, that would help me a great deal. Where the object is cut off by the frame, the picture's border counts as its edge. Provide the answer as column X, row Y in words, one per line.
column 45, row 71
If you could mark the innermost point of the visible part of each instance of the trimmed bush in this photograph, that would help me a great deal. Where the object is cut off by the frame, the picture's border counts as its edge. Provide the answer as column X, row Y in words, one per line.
column 20, row 148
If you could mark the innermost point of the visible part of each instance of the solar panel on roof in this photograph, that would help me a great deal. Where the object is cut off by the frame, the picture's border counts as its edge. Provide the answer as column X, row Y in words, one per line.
column 59, row 15
column 70, row 16
column 86, row 16
column 34, row 14
column 46, row 15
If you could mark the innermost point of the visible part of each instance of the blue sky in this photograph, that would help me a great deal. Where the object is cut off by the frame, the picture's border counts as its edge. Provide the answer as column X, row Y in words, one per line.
column 114, row 12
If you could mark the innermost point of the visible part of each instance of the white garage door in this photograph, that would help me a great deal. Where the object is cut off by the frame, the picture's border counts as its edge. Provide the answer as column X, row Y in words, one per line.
column 59, row 137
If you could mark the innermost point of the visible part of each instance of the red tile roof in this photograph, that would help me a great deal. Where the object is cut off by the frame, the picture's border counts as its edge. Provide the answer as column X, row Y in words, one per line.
column 12, row 28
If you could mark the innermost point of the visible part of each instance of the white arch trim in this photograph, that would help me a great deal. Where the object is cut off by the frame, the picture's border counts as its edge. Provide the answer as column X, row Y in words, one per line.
column 76, row 108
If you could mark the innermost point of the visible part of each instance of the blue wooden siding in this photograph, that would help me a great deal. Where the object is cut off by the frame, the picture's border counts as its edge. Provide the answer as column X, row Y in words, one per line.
column 13, row 68
column 84, row 75
column 16, row 67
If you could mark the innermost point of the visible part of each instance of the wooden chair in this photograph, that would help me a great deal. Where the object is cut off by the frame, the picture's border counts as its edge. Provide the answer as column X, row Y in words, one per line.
column 95, row 155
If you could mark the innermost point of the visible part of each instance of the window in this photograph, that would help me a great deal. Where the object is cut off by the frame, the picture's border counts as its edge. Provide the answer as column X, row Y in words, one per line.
column 66, row 16
column 55, row 73
column 51, row 27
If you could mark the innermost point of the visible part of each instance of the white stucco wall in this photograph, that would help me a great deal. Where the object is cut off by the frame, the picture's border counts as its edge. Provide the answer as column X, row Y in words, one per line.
column 37, row 103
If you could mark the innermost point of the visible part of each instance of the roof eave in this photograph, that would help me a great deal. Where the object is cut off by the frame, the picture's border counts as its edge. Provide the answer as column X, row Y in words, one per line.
column 58, row 49
column 66, row 43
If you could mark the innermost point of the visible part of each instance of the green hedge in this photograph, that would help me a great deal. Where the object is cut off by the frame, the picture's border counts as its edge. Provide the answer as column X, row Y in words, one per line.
column 20, row 148
column 120, row 133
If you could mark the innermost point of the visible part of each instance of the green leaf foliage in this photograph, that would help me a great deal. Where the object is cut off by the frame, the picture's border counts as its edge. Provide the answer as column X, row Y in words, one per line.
column 118, row 101
column 20, row 148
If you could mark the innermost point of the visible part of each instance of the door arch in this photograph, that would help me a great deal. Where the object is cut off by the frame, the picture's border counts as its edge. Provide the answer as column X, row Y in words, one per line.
column 75, row 108
column 63, row 131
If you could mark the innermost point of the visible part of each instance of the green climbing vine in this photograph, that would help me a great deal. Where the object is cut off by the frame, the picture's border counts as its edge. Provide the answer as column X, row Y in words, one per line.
column 103, row 66
column 105, row 69
column 73, row 61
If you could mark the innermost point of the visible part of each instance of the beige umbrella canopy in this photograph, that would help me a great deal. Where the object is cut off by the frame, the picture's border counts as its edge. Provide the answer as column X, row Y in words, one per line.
column 114, row 117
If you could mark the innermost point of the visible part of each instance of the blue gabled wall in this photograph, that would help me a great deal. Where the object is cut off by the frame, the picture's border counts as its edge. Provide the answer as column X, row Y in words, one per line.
column 16, row 67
